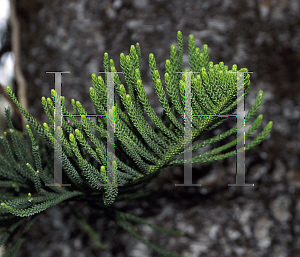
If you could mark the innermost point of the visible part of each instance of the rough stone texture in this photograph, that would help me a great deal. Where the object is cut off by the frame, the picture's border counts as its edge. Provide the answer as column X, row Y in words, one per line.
column 263, row 36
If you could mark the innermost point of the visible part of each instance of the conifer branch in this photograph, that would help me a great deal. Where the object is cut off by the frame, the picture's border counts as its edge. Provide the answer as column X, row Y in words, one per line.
column 141, row 150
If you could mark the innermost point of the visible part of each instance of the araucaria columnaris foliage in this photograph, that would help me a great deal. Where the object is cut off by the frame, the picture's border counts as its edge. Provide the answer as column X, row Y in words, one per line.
column 141, row 150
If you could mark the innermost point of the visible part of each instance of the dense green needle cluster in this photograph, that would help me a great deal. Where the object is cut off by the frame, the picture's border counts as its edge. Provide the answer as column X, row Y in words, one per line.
column 141, row 150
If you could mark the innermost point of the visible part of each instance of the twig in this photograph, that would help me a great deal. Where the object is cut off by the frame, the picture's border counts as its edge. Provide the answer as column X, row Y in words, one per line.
column 6, row 96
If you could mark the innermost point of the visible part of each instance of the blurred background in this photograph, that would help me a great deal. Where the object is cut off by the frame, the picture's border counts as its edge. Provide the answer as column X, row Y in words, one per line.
column 261, row 35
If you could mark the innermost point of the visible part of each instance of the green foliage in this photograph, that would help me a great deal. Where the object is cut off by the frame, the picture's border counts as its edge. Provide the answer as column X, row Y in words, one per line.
column 141, row 151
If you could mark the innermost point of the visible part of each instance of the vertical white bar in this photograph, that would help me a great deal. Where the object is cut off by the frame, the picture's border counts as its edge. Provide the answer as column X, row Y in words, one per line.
column 188, row 166
column 58, row 131
column 187, row 131
column 110, row 128
column 240, row 157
